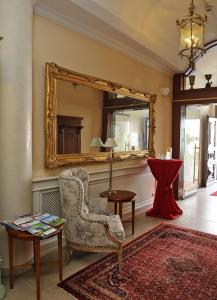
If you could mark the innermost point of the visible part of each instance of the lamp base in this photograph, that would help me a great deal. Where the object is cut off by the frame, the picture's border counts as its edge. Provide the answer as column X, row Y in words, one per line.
column 110, row 192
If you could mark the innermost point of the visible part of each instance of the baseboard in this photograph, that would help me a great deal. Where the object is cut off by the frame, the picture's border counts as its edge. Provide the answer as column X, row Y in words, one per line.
column 140, row 207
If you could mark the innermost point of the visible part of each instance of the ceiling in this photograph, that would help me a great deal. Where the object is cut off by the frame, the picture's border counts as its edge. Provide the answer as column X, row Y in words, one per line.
column 143, row 29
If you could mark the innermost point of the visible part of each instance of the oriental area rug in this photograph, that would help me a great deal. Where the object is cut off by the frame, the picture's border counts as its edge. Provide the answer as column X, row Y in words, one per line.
column 167, row 262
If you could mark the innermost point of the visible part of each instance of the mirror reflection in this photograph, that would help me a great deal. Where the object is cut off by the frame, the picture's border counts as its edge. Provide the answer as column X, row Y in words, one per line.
column 131, row 129
column 84, row 113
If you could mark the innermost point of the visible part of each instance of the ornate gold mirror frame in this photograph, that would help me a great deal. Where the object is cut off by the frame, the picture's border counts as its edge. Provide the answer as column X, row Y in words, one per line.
column 52, row 159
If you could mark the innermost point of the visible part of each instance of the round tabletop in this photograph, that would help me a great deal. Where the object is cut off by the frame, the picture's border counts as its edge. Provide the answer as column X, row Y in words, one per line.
column 20, row 234
column 25, row 235
column 118, row 196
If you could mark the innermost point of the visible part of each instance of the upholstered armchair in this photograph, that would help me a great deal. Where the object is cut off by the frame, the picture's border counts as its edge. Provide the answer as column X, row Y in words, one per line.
column 89, row 227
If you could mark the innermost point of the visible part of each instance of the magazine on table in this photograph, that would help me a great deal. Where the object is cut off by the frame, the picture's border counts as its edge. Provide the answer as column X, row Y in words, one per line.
column 38, row 228
column 14, row 223
column 21, row 220
column 9, row 224
column 41, row 225
column 51, row 219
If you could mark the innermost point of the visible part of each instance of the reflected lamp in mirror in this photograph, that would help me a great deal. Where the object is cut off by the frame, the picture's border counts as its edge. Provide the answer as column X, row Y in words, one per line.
column 111, row 144
column 97, row 143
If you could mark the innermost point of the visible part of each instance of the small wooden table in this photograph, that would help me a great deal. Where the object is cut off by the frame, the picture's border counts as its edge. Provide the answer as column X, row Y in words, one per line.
column 118, row 197
column 23, row 235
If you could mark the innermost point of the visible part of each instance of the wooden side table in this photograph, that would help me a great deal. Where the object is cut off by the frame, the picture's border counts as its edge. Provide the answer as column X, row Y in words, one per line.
column 118, row 197
column 23, row 235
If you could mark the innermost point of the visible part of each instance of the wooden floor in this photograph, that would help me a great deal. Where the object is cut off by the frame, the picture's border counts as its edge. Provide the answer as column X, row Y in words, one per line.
column 199, row 212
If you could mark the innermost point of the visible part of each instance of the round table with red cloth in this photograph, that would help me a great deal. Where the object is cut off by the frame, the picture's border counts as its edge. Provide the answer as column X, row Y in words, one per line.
column 165, row 172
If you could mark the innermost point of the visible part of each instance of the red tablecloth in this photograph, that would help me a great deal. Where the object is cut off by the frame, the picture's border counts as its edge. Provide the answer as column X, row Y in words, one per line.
column 165, row 172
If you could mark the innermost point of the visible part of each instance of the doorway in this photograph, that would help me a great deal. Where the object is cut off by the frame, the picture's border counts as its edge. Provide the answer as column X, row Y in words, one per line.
column 199, row 136
column 191, row 149
column 211, row 150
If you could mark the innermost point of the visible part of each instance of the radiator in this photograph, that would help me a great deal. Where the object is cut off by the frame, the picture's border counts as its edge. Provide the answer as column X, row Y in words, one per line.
column 50, row 202
column 46, row 196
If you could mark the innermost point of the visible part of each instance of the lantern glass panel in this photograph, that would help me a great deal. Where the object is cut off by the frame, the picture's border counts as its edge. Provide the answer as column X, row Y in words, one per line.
column 197, row 34
column 185, row 37
column 191, row 35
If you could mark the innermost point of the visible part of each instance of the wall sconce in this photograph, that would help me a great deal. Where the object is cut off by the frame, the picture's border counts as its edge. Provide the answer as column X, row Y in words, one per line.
column 164, row 91
column 96, row 142
column 110, row 143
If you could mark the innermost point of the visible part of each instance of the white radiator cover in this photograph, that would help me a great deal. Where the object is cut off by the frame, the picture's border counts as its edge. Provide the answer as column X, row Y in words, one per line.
column 46, row 196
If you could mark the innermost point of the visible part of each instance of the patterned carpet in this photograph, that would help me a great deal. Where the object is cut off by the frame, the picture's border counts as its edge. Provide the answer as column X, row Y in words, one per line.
column 168, row 262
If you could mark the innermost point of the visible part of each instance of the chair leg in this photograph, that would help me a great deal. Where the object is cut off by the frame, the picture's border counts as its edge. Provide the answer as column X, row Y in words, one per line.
column 69, row 252
column 120, row 258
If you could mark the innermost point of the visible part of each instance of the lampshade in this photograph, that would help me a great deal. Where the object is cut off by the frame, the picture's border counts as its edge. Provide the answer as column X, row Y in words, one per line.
column 110, row 143
column 96, row 142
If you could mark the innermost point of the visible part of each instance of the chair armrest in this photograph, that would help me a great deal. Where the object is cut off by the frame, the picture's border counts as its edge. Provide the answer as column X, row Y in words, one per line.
column 116, row 227
column 100, row 219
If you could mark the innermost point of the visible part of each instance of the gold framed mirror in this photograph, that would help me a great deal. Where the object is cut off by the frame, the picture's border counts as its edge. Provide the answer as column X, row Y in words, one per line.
column 115, row 109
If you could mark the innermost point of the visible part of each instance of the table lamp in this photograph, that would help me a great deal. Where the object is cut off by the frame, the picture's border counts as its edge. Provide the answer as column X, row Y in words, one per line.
column 96, row 142
column 110, row 143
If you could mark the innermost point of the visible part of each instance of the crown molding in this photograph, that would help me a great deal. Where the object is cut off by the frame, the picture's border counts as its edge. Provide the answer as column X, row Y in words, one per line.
column 79, row 27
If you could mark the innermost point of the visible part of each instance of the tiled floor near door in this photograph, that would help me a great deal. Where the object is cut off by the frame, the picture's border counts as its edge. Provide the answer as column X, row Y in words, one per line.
column 199, row 212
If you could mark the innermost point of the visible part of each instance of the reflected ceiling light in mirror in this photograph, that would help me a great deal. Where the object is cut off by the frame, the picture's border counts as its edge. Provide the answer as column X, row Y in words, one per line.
column 191, row 29
column 96, row 142
column 110, row 143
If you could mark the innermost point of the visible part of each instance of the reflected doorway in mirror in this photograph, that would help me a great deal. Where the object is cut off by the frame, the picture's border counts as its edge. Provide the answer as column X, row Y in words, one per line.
column 69, row 134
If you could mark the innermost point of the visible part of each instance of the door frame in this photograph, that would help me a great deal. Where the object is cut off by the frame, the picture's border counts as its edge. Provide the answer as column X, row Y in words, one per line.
column 177, row 129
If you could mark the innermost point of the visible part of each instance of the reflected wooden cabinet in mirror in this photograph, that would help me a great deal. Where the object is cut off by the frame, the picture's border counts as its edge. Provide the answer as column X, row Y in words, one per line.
column 79, row 108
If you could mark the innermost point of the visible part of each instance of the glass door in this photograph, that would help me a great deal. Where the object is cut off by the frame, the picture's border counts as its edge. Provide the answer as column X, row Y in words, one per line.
column 191, row 149
column 211, row 150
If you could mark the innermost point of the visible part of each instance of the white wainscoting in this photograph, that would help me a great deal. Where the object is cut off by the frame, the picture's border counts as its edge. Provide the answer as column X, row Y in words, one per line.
column 46, row 196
